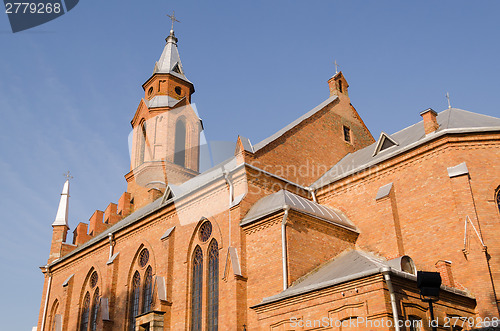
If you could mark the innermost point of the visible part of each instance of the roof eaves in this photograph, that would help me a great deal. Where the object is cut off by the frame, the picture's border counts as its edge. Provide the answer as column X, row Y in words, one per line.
column 136, row 216
column 318, row 184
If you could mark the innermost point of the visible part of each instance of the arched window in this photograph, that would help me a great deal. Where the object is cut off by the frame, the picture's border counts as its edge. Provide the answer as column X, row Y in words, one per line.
column 197, row 289
column 213, row 286
column 180, row 143
column 142, row 143
column 134, row 299
column 340, row 86
column 55, row 318
column 85, row 312
column 146, row 296
column 95, row 310
column 498, row 199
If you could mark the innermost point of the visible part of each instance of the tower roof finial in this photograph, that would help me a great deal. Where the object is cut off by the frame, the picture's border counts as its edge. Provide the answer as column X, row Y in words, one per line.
column 62, row 211
column 173, row 19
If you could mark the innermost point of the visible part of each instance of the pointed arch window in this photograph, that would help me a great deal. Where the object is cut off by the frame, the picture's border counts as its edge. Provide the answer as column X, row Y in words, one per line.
column 142, row 143
column 146, row 296
column 134, row 300
column 85, row 312
column 213, row 286
column 180, row 143
column 196, row 295
column 95, row 311
column 498, row 199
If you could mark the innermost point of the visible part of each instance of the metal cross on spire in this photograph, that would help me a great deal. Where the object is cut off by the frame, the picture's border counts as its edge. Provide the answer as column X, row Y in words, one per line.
column 68, row 175
column 448, row 97
column 173, row 19
column 336, row 67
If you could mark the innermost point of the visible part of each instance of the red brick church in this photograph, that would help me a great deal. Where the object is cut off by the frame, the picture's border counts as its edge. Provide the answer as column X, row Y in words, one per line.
column 320, row 226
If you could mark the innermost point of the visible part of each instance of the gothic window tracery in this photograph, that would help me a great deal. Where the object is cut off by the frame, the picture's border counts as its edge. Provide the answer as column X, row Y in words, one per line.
column 205, row 280
column 91, row 303
column 85, row 312
column 147, row 295
column 197, row 290
column 134, row 299
column 213, row 286
column 95, row 310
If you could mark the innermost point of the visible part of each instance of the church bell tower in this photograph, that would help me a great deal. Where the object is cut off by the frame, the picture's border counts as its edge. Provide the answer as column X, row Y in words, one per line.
column 166, row 129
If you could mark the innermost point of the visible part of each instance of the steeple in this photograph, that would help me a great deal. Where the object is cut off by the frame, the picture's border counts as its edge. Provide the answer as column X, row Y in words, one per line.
column 170, row 61
column 62, row 211
column 166, row 138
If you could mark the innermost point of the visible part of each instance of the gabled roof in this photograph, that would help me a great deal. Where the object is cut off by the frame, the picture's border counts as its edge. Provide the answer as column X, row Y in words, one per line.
column 299, row 120
column 170, row 61
column 450, row 121
column 277, row 202
column 347, row 266
column 384, row 141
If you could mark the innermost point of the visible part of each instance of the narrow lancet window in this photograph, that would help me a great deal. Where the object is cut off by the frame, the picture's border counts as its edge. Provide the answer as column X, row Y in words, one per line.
column 142, row 143
column 498, row 199
column 213, row 286
column 146, row 297
column 180, row 143
column 95, row 310
column 134, row 300
column 196, row 293
column 85, row 313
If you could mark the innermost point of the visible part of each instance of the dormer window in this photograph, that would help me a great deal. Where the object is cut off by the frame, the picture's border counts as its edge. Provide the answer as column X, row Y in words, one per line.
column 347, row 133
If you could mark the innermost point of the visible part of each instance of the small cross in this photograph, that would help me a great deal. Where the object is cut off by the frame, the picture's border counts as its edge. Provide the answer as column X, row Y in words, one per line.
column 448, row 97
column 173, row 18
column 68, row 175
column 336, row 67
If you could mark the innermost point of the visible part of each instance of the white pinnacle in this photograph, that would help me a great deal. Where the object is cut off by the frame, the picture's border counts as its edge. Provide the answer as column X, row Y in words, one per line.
column 62, row 211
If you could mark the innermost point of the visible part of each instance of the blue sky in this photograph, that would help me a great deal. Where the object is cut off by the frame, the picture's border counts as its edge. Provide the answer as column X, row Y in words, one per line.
column 69, row 88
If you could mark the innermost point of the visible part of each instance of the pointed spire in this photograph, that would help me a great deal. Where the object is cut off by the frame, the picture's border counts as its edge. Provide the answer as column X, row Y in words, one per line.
column 62, row 211
column 170, row 61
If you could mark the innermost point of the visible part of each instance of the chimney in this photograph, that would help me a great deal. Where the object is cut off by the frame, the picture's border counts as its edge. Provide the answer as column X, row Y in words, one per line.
column 444, row 269
column 430, row 120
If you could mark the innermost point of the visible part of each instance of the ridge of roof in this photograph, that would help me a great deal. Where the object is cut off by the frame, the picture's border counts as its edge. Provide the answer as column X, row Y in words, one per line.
column 451, row 120
column 293, row 124
column 278, row 200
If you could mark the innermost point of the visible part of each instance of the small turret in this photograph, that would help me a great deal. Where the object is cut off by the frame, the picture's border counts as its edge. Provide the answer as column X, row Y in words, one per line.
column 60, row 226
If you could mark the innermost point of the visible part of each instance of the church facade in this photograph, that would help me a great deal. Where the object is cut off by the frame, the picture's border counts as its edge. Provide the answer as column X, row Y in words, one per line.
column 320, row 226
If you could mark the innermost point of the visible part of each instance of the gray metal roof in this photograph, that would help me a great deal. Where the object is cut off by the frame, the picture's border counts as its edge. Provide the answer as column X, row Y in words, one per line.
column 277, row 201
column 299, row 120
column 170, row 61
column 347, row 266
column 161, row 101
column 179, row 191
column 452, row 120
column 247, row 145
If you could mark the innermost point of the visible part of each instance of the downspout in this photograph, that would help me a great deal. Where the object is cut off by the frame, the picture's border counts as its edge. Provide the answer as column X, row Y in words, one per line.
column 44, row 316
column 231, row 189
column 111, row 244
column 283, row 247
column 385, row 271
